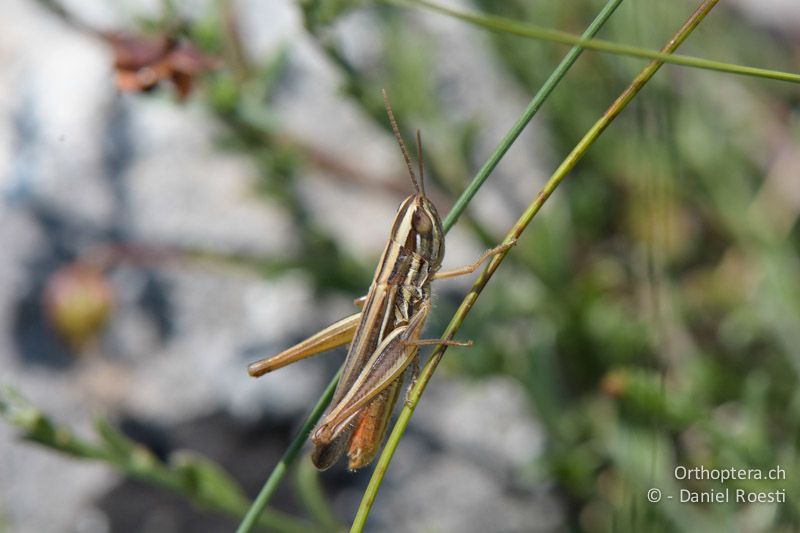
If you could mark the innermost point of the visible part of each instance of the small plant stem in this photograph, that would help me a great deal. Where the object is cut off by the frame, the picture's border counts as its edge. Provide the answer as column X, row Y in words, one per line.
column 531, row 31
column 526, row 117
column 280, row 470
column 469, row 300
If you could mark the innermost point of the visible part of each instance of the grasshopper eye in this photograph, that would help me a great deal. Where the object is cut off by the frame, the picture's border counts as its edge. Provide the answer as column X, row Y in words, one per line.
column 422, row 222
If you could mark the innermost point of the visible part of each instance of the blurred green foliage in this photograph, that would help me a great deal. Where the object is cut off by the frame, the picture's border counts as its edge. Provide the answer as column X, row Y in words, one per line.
column 200, row 480
column 670, row 301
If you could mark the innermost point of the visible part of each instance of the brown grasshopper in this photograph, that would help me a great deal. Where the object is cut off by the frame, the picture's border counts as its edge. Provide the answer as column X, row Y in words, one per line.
column 385, row 336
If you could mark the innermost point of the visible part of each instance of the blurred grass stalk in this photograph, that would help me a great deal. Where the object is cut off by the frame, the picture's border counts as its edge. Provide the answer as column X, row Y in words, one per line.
column 516, row 231
column 530, row 31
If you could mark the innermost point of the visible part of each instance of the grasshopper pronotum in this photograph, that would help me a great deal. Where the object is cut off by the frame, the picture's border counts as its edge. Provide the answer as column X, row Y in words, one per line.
column 385, row 335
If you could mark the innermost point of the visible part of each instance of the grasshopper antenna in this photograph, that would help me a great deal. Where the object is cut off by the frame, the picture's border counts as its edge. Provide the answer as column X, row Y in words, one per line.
column 403, row 148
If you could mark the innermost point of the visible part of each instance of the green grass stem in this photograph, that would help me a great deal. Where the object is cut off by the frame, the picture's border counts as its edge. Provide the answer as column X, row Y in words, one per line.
column 530, row 31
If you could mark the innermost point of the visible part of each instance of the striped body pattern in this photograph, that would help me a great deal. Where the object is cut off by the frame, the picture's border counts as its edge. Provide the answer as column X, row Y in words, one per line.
column 394, row 312
column 385, row 336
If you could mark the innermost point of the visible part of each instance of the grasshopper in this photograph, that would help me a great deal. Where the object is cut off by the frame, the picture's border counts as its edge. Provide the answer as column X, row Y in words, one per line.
column 385, row 336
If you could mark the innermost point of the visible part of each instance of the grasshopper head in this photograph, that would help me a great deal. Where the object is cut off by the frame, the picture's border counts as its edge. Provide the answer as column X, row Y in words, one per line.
column 418, row 228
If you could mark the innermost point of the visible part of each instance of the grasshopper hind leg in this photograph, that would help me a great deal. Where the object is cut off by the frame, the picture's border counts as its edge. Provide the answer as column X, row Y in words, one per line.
column 337, row 334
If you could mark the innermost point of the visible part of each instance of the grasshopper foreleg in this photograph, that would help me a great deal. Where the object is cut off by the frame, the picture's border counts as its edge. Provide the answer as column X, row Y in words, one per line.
column 469, row 269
